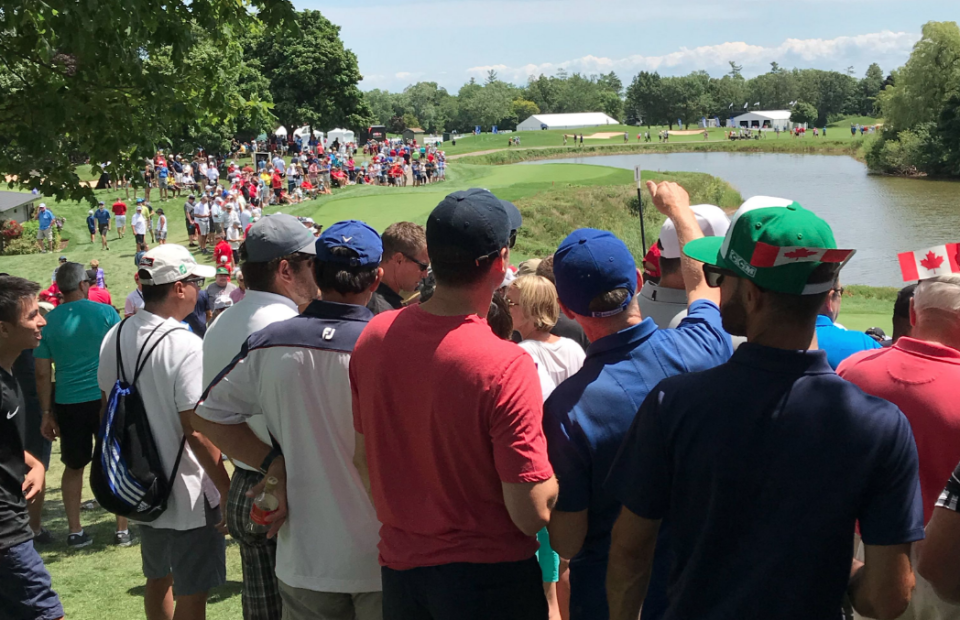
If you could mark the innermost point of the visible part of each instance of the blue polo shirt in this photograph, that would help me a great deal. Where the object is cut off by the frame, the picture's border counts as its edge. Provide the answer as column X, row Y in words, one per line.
column 587, row 417
column 761, row 467
column 840, row 343
column 103, row 216
column 45, row 218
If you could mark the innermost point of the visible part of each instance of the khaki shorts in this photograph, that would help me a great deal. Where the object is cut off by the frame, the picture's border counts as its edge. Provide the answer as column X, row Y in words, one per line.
column 45, row 234
column 196, row 558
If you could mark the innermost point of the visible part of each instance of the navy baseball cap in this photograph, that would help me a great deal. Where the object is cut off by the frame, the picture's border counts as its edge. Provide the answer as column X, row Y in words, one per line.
column 352, row 234
column 590, row 262
column 472, row 223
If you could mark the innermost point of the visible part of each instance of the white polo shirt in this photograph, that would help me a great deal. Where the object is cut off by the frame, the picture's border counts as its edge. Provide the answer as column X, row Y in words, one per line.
column 295, row 374
column 170, row 383
column 201, row 209
column 226, row 335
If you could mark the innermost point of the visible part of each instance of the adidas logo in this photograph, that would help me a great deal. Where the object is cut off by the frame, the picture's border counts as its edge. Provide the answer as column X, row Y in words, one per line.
column 143, row 507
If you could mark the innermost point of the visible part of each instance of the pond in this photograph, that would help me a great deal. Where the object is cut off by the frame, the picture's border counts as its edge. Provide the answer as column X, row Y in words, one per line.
column 878, row 216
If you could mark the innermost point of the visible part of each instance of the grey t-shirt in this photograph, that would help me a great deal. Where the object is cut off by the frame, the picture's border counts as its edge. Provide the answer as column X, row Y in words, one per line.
column 662, row 304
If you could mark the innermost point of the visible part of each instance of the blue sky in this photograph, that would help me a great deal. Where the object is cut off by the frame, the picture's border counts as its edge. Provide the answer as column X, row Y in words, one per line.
column 448, row 41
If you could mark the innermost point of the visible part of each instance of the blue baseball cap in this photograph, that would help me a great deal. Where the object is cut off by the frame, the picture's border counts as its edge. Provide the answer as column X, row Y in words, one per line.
column 589, row 263
column 471, row 225
column 352, row 234
column 139, row 199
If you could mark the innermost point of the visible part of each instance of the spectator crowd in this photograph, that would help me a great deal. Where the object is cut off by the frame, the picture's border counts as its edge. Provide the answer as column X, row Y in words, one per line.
column 417, row 428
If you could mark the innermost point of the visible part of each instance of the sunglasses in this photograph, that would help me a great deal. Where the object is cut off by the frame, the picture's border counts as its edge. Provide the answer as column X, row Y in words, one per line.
column 513, row 239
column 422, row 266
column 715, row 275
column 199, row 282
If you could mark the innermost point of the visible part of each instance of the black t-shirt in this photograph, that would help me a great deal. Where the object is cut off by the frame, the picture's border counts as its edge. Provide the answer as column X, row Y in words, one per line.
column 14, row 519
column 384, row 300
column 568, row 328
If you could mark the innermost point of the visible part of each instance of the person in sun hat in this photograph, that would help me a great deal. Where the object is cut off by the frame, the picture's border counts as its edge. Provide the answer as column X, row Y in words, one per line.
column 587, row 416
column 761, row 467
column 665, row 301
column 183, row 550
column 292, row 378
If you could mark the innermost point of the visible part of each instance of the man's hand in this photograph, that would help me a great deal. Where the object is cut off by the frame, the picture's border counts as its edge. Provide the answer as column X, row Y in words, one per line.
column 668, row 196
column 278, row 469
column 49, row 427
column 33, row 481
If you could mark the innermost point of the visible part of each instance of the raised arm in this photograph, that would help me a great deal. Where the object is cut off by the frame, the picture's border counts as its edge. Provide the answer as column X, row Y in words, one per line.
column 673, row 201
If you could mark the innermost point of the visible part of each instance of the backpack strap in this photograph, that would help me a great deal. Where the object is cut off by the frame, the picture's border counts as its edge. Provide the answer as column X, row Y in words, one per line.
column 120, row 374
column 140, row 364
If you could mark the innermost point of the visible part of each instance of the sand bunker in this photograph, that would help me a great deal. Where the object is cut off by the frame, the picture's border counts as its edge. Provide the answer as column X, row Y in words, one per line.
column 686, row 132
column 604, row 136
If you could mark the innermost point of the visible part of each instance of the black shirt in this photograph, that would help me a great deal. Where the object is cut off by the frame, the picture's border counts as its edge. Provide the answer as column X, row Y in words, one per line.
column 568, row 328
column 384, row 300
column 14, row 519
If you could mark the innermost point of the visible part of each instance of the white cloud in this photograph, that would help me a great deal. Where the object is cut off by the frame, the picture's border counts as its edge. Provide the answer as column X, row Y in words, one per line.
column 887, row 48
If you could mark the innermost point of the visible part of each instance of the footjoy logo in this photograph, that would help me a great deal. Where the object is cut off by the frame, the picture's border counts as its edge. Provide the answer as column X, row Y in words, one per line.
column 744, row 265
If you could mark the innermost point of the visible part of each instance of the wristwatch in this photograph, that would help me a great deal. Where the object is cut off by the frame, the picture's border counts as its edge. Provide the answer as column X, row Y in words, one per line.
column 271, row 456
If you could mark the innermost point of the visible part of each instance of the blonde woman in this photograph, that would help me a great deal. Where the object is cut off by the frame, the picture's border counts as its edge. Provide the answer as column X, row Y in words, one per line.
column 535, row 308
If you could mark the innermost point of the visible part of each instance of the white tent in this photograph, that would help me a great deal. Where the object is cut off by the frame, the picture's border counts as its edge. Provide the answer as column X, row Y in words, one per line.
column 566, row 121
column 304, row 132
column 344, row 135
column 768, row 119
column 281, row 131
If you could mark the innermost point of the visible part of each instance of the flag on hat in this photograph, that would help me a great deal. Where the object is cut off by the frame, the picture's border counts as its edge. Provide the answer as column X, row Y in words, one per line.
column 931, row 262
column 766, row 255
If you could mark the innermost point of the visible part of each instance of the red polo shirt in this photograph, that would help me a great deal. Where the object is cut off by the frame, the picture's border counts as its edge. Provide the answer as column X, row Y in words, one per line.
column 448, row 411
column 99, row 295
column 119, row 208
column 922, row 379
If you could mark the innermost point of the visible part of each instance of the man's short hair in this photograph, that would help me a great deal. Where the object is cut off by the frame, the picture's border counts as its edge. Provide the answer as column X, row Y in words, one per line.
column 545, row 269
column 453, row 267
column 342, row 278
column 404, row 237
column 69, row 277
column 610, row 301
column 940, row 292
column 538, row 301
column 498, row 317
column 901, row 307
column 260, row 276
column 13, row 291
column 669, row 266
column 155, row 293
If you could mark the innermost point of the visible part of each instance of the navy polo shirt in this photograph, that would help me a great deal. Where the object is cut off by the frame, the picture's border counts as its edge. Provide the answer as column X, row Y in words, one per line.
column 841, row 343
column 587, row 417
column 761, row 467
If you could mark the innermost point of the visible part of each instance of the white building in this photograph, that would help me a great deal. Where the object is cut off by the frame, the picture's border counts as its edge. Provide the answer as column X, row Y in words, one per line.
column 769, row 119
column 566, row 121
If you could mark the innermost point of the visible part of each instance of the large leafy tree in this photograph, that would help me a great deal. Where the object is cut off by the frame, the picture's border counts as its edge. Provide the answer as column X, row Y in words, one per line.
column 645, row 101
column 313, row 78
column 113, row 83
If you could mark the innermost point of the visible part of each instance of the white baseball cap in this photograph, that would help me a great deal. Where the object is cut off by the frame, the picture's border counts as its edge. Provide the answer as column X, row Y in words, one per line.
column 712, row 220
column 171, row 263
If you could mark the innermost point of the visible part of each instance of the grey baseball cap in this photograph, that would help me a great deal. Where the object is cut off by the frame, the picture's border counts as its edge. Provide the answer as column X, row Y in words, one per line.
column 276, row 236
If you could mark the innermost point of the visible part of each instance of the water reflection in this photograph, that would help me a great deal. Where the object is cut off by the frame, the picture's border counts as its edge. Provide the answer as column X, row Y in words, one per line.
column 878, row 216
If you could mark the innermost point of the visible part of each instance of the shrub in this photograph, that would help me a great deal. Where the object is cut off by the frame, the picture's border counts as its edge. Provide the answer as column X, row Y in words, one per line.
column 11, row 230
column 21, row 246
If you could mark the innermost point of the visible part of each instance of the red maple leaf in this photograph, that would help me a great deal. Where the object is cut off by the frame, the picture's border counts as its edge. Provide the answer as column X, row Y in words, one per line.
column 932, row 262
column 799, row 253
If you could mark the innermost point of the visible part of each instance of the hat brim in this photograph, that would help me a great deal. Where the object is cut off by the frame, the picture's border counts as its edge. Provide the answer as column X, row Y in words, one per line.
column 705, row 249
column 203, row 271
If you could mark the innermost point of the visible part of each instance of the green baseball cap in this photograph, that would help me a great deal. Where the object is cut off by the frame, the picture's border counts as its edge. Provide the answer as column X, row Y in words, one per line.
column 776, row 244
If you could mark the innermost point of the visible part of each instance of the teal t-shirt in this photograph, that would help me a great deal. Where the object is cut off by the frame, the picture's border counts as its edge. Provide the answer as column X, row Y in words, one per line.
column 72, row 338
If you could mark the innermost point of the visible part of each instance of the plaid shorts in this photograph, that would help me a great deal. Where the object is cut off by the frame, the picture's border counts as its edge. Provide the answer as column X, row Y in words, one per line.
column 258, row 554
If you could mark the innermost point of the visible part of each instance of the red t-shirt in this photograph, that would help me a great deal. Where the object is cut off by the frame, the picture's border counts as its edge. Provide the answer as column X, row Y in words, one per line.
column 448, row 411
column 119, row 208
column 920, row 378
column 99, row 295
column 276, row 182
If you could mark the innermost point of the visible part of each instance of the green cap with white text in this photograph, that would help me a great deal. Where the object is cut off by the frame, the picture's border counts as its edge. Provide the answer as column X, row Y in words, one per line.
column 776, row 244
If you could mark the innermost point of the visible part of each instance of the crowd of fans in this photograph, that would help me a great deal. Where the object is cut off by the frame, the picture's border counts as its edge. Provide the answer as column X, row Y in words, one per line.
column 449, row 436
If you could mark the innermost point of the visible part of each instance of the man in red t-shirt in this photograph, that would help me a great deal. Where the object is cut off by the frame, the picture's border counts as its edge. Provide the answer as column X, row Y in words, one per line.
column 120, row 214
column 920, row 374
column 97, row 294
column 276, row 182
column 449, row 435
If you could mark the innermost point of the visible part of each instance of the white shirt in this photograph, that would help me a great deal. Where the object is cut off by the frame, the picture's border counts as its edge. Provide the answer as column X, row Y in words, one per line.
column 295, row 375
column 162, row 223
column 139, row 224
column 245, row 217
column 170, row 383
column 560, row 359
column 133, row 303
column 201, row 209
column 226, row 335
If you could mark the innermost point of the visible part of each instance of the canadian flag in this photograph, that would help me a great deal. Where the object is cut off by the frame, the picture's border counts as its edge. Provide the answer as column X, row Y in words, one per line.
column 935, row 261
column 766, row 255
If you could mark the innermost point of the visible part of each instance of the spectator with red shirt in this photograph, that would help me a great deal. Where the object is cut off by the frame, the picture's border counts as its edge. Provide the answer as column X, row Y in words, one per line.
column 276, row 182
column 223, row 253
column 97, row 294
column 457, row 468
column 120, row 215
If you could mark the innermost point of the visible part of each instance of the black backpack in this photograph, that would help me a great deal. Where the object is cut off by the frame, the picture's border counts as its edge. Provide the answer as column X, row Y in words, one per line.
column 127, row 475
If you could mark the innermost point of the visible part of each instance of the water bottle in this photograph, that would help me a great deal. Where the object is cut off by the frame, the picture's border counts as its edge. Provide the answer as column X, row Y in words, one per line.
column 264, row 505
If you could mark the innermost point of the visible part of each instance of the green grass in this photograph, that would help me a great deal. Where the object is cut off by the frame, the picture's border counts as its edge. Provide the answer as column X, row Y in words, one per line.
column 106, row 582
column 846, row 121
